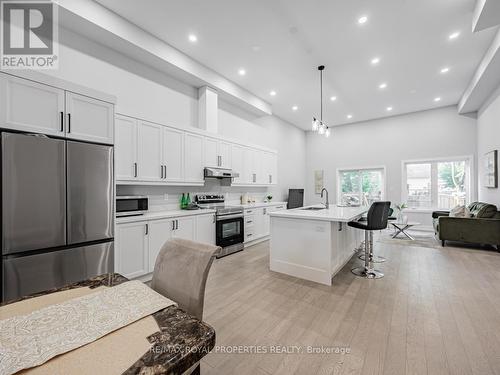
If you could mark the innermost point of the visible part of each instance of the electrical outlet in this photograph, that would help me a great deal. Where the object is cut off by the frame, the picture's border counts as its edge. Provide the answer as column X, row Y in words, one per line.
column 165, row 197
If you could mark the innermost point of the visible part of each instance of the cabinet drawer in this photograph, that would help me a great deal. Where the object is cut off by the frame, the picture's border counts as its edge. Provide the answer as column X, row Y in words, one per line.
column 249, row 234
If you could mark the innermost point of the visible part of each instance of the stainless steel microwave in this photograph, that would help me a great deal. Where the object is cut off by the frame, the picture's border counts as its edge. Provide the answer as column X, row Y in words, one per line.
column 131, row 205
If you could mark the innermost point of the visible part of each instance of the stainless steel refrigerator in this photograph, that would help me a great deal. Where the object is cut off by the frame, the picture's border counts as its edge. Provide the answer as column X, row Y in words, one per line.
column 57, row 212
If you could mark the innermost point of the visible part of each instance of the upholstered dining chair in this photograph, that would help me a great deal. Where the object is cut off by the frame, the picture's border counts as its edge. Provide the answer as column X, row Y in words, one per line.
column 181, row 272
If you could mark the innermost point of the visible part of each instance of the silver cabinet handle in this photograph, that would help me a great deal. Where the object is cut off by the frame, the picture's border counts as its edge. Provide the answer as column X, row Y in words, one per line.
column 62, row 121
column 265, row 211
column 270, row 179
column 249, row 221
column 165, row 173
column 249, row 234
column 135, row 169
column 249, row 212
column 213, row 219
column 147, row 229
column 69, row 122
column 161, row 171
column 254, row 177
column 173, row 224
column 176, row 224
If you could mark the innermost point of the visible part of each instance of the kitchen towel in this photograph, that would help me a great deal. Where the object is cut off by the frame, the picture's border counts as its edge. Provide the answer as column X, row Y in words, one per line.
column 32, row 339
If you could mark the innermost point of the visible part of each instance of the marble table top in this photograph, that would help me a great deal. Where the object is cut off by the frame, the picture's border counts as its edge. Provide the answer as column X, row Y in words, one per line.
column 181, row 341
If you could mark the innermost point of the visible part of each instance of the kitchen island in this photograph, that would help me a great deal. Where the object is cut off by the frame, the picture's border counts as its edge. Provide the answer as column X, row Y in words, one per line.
column 313, row 243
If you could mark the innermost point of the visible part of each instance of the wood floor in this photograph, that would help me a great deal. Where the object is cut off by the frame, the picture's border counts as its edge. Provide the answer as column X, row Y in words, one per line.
column 436, row 311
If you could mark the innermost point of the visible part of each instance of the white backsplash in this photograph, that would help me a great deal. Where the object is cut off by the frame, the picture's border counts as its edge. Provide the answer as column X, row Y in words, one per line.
column 165, row 198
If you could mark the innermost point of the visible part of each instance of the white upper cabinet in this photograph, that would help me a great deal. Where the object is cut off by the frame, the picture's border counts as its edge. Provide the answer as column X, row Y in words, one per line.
column 149, row 151
column 211, row 152
column 32, row 107
column 37, row 108
column 193, row 158
column 238, row 163
column 269, row 168
column 126, row 148
column 89, row 119
column 217, row 153
column 173, row 155
column 257, row 167
column 224, row 151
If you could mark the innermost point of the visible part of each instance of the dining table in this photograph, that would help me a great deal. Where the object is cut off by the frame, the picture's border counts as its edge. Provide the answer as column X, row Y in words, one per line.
column 174, row 342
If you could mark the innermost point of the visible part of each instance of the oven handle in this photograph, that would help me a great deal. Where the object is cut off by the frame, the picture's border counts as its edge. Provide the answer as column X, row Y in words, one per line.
column 227, row 217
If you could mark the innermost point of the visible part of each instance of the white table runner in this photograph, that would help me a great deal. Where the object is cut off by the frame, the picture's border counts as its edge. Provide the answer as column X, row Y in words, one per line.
column 32, row 339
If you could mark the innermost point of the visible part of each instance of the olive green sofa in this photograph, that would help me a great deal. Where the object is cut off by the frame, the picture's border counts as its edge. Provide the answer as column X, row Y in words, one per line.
column 482, row 228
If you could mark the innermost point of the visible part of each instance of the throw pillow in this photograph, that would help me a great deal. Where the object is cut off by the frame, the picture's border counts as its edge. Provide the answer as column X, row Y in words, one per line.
column 460, row 211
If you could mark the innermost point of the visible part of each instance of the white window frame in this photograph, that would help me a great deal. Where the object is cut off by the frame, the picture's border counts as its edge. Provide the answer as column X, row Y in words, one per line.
column 351, row 169
column 470, row 180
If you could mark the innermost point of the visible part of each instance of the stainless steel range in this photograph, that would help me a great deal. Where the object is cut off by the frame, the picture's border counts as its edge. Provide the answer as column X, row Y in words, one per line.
column 229, row 223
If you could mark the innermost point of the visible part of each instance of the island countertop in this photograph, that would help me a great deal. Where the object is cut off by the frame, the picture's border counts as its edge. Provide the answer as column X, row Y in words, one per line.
column 333, row 213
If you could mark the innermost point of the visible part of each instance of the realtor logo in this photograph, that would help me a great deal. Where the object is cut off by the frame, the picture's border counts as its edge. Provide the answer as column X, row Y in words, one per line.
column 28, row 35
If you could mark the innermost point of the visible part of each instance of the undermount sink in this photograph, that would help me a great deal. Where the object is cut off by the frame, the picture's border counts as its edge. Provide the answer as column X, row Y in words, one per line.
column 313, row 208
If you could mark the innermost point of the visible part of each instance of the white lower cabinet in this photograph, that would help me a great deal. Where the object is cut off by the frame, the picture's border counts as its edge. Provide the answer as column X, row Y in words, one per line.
column 258, row 222
column 131, row 251
column 185, row 227
column 205, row 229
column 159, row 232
column 139, row 243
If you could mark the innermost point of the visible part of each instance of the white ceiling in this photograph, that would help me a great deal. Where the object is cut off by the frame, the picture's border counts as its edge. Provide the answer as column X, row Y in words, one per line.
column 280, row 43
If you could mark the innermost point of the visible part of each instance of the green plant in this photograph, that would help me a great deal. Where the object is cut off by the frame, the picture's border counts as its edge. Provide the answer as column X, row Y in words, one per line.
column 269, row 197
column 400, row 207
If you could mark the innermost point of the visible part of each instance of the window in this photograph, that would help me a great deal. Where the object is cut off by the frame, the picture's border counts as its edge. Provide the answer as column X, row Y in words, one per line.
column 437, row 184
column 360, row 186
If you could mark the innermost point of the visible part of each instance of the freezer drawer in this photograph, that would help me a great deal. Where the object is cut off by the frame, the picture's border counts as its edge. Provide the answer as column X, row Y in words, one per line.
column 33, row 193
column 35, row 273
column 90, row 192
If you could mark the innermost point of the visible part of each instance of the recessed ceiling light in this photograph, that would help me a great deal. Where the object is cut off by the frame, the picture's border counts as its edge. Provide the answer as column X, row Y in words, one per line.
column 349, row 117
column 333, row 98
column 382, row 86
column 438, row 99
column 294, row 108
column 192, row 38
column 389, row 109
column 272, row 93
column 445, row 70
column 375, row 60
column 454, row 35
column 242, row 72
column 362, row 20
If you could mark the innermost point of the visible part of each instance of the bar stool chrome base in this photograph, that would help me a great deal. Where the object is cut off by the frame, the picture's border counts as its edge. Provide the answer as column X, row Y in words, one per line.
column 367, row 273
column 375, row 258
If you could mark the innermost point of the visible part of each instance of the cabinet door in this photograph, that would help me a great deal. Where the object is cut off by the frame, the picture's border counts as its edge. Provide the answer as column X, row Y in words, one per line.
column 30, row 106
column 266, row 226
column 211, row 153
column 273, row 168
column 238, row 163
column 185, row 228
column 126, row 148
column 224, row 151
column 173, row 155
column 257, row 168
column 89, row 119
column 193, row 158
column 160, row 231
column 131, row 256
column 248, row 167
column 205, row 229
column 149, row 154
column 259, row 223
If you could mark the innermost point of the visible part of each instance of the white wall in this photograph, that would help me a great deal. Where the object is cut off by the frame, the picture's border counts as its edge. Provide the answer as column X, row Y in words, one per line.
column 488, row 139
column 145, row 93
column 387, row 142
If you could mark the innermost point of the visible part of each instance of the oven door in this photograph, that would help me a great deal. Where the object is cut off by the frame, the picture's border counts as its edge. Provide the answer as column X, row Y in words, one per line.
column 229, row 230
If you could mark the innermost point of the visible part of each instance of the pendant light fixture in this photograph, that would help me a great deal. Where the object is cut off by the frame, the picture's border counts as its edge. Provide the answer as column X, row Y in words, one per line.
column 318, row 125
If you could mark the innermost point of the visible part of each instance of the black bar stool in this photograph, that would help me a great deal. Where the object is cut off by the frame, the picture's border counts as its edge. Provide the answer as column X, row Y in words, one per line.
column 376, row 220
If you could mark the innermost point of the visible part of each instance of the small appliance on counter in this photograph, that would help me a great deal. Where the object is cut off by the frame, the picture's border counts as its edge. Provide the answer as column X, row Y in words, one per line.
column 229, row 229
column 131, row 205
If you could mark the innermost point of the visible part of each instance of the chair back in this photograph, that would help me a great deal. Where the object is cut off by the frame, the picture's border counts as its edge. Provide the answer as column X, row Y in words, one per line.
column 181, row 272
column 377, row 215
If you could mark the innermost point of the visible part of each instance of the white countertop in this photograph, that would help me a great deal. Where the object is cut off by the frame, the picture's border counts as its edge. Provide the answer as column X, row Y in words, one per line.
column 153, row 215
column 334, row 213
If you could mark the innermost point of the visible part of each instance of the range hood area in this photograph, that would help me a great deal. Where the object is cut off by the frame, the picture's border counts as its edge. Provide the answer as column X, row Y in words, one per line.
column 224, row 175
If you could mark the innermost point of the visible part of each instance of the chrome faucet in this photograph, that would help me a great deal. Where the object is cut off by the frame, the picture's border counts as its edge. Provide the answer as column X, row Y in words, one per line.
column 327, row 204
